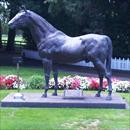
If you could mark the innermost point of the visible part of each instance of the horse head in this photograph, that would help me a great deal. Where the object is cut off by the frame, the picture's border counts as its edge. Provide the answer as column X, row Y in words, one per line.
column 20, row 20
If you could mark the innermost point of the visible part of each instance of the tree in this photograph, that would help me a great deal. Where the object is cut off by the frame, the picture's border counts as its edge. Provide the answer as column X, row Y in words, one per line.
column 82, row 16
column 4, row 13
column 0, row 26
column 0, row 35
column 11, row 36
column 118, row 24
column 1, row 17
column 13, row 6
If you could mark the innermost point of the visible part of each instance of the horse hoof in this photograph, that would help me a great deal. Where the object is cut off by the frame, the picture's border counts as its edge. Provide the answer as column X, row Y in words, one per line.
column 97, row 95
column 44, row 95
column 108, row 98
column 54, row 94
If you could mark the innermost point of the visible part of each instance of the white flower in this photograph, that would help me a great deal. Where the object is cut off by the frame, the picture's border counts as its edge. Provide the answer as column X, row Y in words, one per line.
column 21, row 85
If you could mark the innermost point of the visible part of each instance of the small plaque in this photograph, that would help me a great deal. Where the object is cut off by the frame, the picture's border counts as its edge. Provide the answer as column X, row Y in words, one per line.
column 17, row 60
column 73, row 94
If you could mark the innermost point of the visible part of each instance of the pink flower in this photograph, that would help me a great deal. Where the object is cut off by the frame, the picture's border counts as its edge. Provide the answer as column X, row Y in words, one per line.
column 94, row 83
column 2, row 81
column 75, row 84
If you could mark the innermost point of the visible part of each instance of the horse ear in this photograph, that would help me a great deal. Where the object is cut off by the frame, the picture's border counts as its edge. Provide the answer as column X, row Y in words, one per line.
column 23, row 8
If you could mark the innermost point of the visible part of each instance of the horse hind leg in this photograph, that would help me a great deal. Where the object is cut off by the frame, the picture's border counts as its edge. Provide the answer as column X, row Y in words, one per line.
column 101, row 73
column 108, row 77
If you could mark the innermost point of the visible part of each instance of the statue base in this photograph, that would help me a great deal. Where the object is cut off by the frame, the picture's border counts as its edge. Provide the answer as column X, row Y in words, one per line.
column 90, row 101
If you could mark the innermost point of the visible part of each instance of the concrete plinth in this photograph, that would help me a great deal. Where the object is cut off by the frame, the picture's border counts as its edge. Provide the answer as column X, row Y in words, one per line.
column 89, row 101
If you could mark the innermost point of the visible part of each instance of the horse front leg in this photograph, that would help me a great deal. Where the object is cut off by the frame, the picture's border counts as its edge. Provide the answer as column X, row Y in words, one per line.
column 47, row 64
column 100, row 85
column 55, row 75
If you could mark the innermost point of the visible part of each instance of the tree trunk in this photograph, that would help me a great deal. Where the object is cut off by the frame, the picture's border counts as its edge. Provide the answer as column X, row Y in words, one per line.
column 0, row 35
column 11, row 40
column 11, row 36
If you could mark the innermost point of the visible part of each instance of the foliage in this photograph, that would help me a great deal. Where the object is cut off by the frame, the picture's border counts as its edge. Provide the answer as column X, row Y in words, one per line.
column 117, row 26
column 13, row 7
column 35, row 82
column 4, row 16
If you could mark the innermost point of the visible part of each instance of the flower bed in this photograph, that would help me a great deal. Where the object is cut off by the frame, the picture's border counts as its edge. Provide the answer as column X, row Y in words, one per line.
column 10, row 82
column 79, row 82
column 121, row 86
column 69, row 82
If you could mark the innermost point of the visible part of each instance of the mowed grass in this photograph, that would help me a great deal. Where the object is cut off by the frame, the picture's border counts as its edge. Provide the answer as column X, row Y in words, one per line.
column 58, row 118
column 63, row 118
column 126, row 97
column 17, row 37
column 26, row 72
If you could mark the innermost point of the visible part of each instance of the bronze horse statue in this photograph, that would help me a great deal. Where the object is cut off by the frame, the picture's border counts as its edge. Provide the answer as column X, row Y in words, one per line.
column 54, row 46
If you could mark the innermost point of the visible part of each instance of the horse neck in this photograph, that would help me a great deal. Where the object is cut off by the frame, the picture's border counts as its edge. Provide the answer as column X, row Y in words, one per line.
column 40, row 29
column 37, row 34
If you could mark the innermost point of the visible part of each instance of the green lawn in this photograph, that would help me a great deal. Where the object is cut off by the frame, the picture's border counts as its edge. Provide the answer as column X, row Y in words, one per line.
column 59, row 118
column 126, row 96
column 26, row 72
column 62, row 118
column 17, row 38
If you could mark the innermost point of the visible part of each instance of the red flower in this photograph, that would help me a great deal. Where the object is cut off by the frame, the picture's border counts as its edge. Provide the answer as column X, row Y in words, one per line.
column 75, row 84
column 9, row 80
column 94, row 84
column 105, row 84
column 2, row 81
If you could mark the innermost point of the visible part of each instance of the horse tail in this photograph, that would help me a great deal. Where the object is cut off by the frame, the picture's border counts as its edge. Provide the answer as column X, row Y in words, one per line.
column 109, row 57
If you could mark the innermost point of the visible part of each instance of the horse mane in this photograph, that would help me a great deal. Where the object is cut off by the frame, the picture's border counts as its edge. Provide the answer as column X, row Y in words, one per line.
column 41, row 21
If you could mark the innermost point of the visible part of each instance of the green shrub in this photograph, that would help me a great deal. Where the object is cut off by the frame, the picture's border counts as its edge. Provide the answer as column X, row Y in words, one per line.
column 36, row 82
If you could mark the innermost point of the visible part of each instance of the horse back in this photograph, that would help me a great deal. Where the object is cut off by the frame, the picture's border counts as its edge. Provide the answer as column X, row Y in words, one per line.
column 96, row 46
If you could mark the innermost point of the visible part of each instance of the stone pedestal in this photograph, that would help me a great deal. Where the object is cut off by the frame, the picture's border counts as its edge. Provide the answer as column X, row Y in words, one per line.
column 90, row 101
